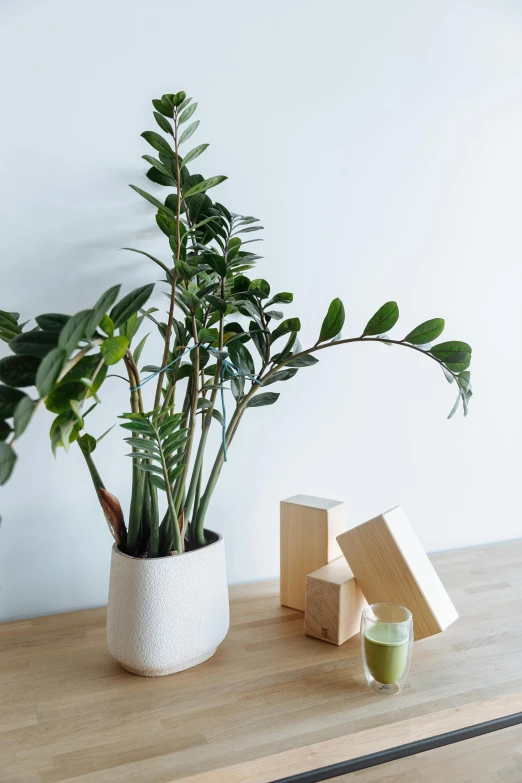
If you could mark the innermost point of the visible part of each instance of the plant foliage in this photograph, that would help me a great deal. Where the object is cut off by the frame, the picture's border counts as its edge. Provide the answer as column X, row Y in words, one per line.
column 220, row 335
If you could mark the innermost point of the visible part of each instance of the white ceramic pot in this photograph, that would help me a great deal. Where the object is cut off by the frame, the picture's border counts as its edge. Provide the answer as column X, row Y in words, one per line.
column 167, row 614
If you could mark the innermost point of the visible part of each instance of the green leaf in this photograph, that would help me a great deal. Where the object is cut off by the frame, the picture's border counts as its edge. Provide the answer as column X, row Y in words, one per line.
column 281, row 375
column 455, row 408
column 260, row 288
column 138, row 426
column 425, row 332
column 208, row 335
column 87, row 443
column 7, row 461
column 276, row 314
column 74, row 331
column 215, row 262
column 159, row 166
column 217, row 302
column 160, row 179
column 287, row 350
column 59, row 400
column 241, row 283
column 107, row 325
column 158, row 142
column 8, row 321
column 456, row 355
column 166, row 224
column 241, row 357
column 152, row 258
column 449, row 377
column 289, row 325
column 268, row 398
column 303, row 361
column 158, row 482
column 64, row 430
column 258, row 338
column 163, row 123
column 238, row 387
column 283, row 298
column 114, row 348
column 179, row 99
column 18, row 370
column 130, row 304
column 187, row 114
column 37, row 344
column 9, row 399
column 164, row 107
column 333, row 322
column 464, row 380
column 218, row 416
column 152, row 200
column 187, row 133
column 183, row 103
column 49, row 370
column 139, row 348
column 82, row 369
column 52, row 322
column 184, row 370
column 206, row 184
column 150, row 468
column 9, row 327
column 22, row 415
column 195, row 153
column 100, row 309
column 383, row 320
column 5, row 429
column 129, row 328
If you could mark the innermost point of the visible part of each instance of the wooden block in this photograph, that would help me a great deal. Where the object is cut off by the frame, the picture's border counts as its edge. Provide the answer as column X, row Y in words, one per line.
column 391, row 566
column 309, row 528
column 333, row 603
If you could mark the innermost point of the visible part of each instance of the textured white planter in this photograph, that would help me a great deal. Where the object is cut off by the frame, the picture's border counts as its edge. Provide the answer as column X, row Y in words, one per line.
column 167, row 614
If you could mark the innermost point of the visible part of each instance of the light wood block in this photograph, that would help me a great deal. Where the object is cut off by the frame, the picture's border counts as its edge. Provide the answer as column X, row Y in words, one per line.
column 333, row 603
column 391, row 566
column 309, row 528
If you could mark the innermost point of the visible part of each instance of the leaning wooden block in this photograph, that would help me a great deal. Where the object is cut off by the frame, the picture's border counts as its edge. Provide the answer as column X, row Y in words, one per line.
column 333, row 603
column 309, row 528
column 391, row 566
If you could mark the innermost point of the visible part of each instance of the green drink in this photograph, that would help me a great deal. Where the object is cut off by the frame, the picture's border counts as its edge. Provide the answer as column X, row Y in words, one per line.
column 386, row 650
column 386, row 646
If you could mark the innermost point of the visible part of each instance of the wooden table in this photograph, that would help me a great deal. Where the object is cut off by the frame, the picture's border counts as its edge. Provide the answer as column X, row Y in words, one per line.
column 271, row 703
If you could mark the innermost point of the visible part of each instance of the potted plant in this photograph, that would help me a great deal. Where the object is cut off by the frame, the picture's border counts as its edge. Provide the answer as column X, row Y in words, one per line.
column 224, row 343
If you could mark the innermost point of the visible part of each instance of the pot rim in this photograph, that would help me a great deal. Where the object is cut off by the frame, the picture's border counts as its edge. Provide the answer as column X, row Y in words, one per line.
column 168, row 557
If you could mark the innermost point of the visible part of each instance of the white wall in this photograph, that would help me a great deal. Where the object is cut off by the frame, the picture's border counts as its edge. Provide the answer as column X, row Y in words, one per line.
column 380, row 144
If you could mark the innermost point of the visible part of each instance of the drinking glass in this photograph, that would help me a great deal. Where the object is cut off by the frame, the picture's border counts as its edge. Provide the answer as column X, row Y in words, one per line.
column 386, row 646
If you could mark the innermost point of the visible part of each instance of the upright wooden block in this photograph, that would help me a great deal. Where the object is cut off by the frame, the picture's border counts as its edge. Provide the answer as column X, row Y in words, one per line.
column 333, row 603
column 391, row 566
column 309, row 528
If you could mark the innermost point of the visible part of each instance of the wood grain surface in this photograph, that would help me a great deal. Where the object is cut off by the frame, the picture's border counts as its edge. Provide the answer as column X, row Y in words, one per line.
column 271, row 703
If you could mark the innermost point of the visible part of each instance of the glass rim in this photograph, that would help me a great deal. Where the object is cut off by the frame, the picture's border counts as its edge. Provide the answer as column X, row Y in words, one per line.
column 408, row 617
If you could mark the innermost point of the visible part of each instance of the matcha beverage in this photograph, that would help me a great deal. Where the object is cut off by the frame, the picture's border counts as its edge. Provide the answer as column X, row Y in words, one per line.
column 386, row 646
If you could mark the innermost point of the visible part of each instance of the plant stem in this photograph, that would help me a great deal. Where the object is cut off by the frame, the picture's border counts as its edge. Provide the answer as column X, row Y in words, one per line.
column 137, row 474
column 96, row 478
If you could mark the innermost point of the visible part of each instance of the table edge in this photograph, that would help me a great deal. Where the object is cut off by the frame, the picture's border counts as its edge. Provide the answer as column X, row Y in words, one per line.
column 319, row 758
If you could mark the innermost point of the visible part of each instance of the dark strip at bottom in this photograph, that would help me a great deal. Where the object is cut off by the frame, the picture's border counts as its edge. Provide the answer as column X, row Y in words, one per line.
column 401, row 751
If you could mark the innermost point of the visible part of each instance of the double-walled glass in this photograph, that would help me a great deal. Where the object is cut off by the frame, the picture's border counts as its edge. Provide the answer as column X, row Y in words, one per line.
column 386, row 646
